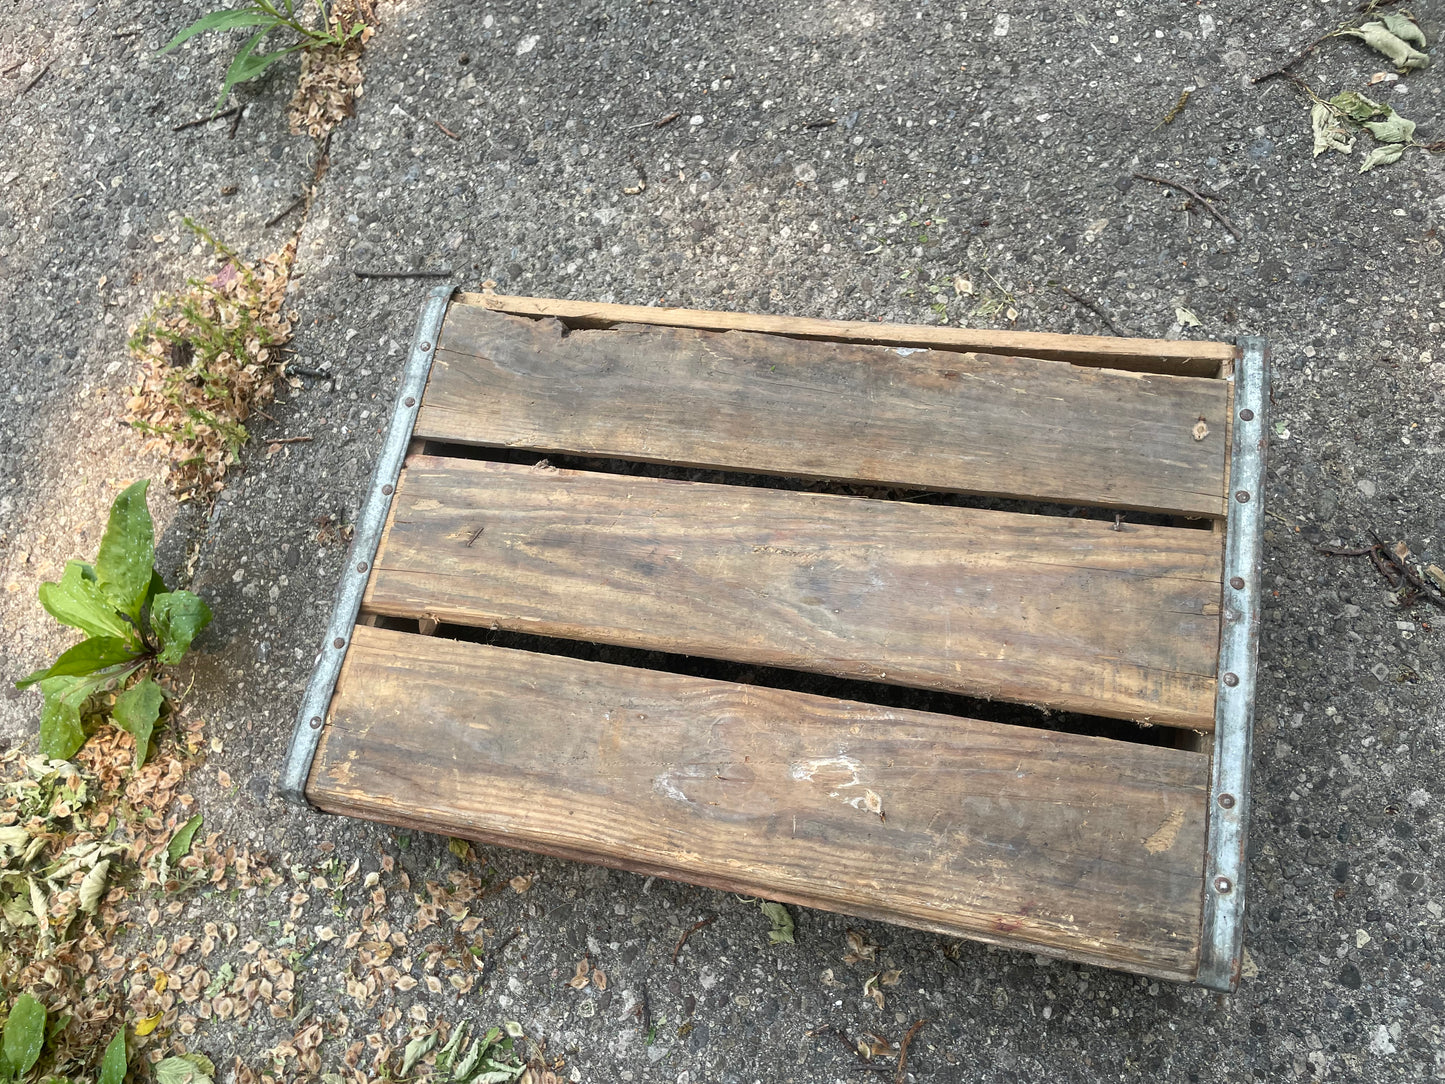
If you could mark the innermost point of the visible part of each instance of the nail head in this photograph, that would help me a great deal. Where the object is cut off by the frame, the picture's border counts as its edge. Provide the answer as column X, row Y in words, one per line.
column 1237, row 582
column 338, row 643
column 361, row 566
column 410, row 401
column 1242, row 496
column 1246, row 415
column 426, row 346
column 315, row 722
column 1226, row 801
column 1231, row 680
column 1223, row 885
column 386, row 489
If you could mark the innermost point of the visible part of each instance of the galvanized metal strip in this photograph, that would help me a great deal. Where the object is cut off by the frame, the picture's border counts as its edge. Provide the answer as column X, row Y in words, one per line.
column 1222, row 948
column 307, row 734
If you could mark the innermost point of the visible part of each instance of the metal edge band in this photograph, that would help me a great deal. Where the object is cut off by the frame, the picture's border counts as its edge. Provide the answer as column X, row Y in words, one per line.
column 306, row 737
column 1222, row 945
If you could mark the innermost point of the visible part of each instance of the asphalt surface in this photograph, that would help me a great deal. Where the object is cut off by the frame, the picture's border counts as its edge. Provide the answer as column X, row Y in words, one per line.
column 967, row 143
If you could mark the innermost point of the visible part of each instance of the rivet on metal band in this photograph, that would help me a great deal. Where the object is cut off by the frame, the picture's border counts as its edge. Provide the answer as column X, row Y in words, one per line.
column 307, row 735
column 1222, row 942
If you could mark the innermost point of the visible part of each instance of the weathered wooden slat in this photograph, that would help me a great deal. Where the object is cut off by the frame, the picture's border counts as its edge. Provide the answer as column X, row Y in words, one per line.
column 1048, row 841
column 1013, row 427
column 1063, row 613
column 1203, row 359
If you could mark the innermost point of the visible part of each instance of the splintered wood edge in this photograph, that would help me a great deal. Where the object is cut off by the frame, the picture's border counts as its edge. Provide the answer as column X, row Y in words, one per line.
column 1166, row 356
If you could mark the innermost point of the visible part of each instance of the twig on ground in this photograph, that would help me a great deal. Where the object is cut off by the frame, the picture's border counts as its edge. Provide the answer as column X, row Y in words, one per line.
column 1093, row 306
column 206, row 120
column 644, row 1012
column 660, row 122
column 315, row 374
column 490, row 963
column 279, row 215
column 1408, row 574
column 401, row 274
column 445, row 130
column 235, row 123
column 1395, row 570
column 1284, row 69
column 1201, row 200
column 821, row 123
column 903, row 1051
column 699, row 924
column 38, row 76
column 289, row 440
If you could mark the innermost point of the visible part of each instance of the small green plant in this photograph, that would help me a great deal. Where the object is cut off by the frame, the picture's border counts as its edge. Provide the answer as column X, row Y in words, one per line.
column 269, row 17
column 133, row 626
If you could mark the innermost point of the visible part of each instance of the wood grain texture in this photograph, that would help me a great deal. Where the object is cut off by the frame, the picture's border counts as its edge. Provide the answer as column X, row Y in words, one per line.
column 1045, row 610
column 1200, row 359
column 1054, row 842
column 1004, row 426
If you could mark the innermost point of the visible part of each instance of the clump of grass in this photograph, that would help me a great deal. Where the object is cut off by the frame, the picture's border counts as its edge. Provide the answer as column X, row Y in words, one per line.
column 209, row 356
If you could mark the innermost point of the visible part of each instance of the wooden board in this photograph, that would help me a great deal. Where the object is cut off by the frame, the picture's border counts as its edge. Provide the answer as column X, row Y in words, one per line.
column 1137, row 355
column 1057, row 612
column 1003, row 426
column 1055, row 842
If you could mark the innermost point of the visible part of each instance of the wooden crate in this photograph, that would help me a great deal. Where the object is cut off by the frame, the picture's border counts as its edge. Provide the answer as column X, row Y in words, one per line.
column 949, row 628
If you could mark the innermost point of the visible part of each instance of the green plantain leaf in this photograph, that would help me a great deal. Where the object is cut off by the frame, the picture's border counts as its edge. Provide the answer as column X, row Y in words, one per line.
column 24, row 1034
column 61, row 734
column 78, row 601
column 177, row 617
column 220, row 20
column 136, row 711
column 86, row 657
column 127, row 554
column 113, row 1065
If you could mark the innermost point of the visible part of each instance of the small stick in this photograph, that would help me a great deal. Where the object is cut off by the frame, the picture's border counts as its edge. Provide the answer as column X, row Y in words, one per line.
column 316, row 374
column 699, row 924
column 1284, row 69
column 903, row 1051
column 645, row 1016
column 821, row 123
column 1335, row 551
column 475, row 535
column 445, row 130
column 1201, row 200
column 1093, row 306
column 125, row 34
column 490, row 963
column 295, row 203
column 39, row 76
column 206, row 120
column 1406, row 573
column 660, row 122
column 235, row 123
column 401, row 274
column 290, row 440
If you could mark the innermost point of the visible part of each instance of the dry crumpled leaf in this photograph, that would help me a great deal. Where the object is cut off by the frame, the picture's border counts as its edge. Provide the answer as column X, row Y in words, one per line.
column 1378, row 36
column 1330, row 134
column 579, row 979
column 1383, row 155
column 859, row 949
column 873, row 990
